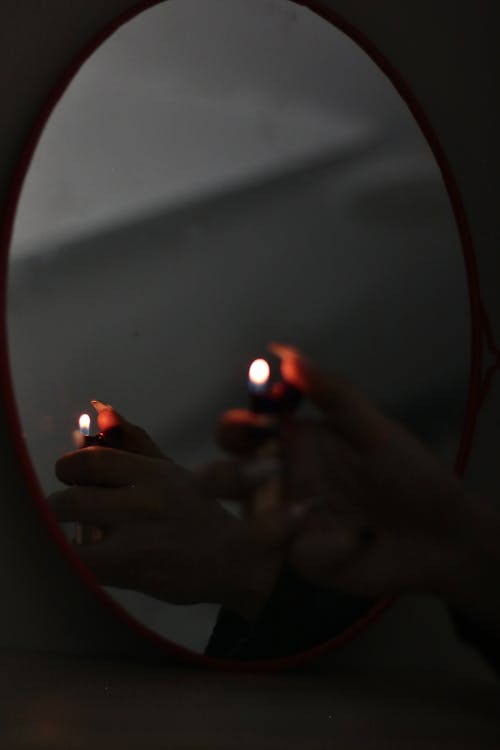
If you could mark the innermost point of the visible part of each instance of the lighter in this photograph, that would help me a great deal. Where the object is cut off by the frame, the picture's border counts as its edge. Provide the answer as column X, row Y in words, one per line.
column 109, row 438
column 278, row 398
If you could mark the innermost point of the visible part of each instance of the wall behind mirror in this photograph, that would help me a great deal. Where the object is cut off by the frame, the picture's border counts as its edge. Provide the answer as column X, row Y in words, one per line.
column 217, row 175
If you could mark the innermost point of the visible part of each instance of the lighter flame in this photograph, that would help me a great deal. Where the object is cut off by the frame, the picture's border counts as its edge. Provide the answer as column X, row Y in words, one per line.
column 259, row 372
column 84, row 424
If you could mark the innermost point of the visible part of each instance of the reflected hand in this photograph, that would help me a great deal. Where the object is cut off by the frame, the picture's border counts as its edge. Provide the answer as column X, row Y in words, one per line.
column 164, row 533
column 132, row 437
column 381, row 515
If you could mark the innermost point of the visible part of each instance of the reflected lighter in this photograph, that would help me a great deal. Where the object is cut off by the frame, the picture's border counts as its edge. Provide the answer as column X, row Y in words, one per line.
column 278, row 398
column 270, row 398
column 111, row 438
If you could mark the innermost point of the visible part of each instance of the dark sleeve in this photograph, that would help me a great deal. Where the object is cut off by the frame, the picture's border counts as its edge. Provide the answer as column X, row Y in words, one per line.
column 296, row 617
column 480, row 638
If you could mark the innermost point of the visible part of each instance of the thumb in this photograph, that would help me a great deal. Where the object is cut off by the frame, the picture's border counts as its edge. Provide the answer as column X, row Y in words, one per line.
column 133, row 438
column 298, row 370
column 347, row 408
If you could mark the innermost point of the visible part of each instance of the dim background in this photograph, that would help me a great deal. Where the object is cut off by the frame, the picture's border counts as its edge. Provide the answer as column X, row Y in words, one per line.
column 218, row 175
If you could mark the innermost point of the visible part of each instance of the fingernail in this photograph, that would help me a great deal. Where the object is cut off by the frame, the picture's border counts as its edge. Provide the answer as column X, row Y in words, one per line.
column 261, row 468
column 99, row 406
column 283, row 350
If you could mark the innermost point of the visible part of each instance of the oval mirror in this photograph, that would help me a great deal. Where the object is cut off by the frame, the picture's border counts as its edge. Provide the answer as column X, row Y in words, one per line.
column 218, row 175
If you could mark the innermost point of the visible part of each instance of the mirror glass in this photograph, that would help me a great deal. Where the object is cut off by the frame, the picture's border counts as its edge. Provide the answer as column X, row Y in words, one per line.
column 218, row 175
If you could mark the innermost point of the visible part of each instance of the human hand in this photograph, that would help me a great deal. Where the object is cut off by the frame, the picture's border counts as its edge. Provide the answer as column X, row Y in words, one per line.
column 114, row 432
column 163, row 532
column 132, row 438
column 381, row 514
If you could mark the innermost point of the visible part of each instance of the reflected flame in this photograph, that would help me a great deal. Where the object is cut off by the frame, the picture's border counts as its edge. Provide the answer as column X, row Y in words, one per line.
column 259, row 372
column 84, row 424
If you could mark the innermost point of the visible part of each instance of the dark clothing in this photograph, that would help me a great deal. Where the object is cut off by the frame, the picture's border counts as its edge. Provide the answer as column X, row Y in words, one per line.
column 299, row 616
column 484, row 641
column 296, row 617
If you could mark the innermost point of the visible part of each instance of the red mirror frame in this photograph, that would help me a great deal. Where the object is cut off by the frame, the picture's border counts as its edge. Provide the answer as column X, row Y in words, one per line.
column 480, row 333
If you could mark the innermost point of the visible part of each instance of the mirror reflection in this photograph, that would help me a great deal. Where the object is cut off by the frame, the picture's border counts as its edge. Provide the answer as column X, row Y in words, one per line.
column 216, row 177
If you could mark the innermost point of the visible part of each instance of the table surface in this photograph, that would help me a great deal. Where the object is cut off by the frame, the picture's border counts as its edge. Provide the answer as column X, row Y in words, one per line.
column 50, row 701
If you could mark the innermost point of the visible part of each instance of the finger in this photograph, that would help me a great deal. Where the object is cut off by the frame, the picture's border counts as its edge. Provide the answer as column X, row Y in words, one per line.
column 347, row 408
column 320, row 463
column 133, row 438
column 323, row 547
column 240, row 431
column 105, row 467
column 310, row 454
column 304, row 472
column 236, row 480
column 103, row 507
column 317, row 462
column 104, row 560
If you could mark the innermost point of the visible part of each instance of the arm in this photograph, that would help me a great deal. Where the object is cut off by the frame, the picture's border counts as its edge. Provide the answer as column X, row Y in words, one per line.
column 387, row 518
